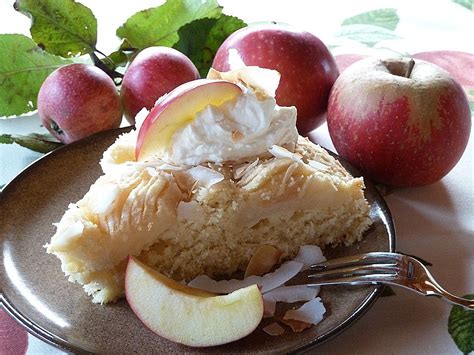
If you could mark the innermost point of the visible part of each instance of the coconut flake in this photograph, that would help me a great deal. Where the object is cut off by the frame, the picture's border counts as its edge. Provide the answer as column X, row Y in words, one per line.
column 263, row 260
column 287, row 294
column 296, row 325
column 205, row 176
column 280, row 152
column 274, row 329
column 309, row 255
column 317, row 165
column 311, row 312
column 260, row 80
column 266, row 283
column 242, row 170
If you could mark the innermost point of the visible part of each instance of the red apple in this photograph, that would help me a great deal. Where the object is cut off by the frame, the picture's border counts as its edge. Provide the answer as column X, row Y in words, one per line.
column 154, row 72
column 459, row 64
column 344, row 61
column 307, row 69
column 403, row 122
column 78, row 100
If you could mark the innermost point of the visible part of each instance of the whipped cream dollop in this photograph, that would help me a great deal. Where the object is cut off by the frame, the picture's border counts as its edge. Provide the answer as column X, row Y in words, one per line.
column 238, row 129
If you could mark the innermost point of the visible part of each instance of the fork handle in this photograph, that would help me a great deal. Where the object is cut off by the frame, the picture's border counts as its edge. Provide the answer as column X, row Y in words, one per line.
column 463, row 302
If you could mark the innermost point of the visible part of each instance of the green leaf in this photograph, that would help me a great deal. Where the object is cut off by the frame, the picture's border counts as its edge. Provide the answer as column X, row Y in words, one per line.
column 118, row 58
column 61, row 27
column 366, row 34
column 200, row 39
column 23, row 68
column 386, row 18
column 159, row 26
column 461, row 327
column 468, row 4
column 42, row 143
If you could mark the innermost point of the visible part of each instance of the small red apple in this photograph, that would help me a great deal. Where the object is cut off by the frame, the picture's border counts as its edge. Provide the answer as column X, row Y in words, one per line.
column 403, row 122
column 78, row 100
column 154, row 72
column 307, row 68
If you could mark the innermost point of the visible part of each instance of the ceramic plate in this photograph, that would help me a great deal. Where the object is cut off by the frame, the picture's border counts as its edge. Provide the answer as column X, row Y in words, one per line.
column 36, row 293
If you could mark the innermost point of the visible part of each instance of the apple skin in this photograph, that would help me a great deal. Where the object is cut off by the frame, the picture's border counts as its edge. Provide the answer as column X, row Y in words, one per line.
column 154, row 72
column 176, row 109
column 78, row 100
column 307, row 68
column 190, row 316
column 399, row 131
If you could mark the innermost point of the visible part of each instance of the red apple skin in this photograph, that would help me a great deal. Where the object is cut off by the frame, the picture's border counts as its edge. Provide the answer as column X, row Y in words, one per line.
column 399, row 131
column 344, row 61
column 307, row 68
column 154, row 72
column 78, row 100
column 458, row 64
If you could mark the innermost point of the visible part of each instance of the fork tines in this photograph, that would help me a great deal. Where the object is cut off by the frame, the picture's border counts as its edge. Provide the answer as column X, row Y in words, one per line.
column 365, row 268
column 356, row 260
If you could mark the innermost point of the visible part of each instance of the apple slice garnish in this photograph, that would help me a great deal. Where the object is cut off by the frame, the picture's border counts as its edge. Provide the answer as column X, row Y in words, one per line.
column 187, row 315
column 178, row 108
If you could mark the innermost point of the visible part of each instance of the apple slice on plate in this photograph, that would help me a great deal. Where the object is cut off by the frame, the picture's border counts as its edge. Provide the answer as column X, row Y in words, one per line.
column 178, row 108
column 187, row 315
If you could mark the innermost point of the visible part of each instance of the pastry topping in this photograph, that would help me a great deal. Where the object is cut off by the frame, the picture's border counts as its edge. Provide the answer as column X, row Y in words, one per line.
column 311, row 312
column 280, row 152
column 317, row 165
column 205, row 176
column 263, row 260
column 296, row 326
column 268, row 282
column 184, row 128
column 288, row 294
column 309, row 255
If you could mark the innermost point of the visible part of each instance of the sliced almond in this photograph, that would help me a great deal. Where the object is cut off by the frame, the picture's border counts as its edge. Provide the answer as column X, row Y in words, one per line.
column 263, row 260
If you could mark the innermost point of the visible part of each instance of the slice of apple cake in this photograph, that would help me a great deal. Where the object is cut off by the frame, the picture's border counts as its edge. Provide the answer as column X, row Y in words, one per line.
column 226, row 179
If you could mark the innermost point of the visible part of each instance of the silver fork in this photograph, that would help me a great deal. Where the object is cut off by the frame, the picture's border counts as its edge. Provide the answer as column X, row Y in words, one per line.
column 386, row 268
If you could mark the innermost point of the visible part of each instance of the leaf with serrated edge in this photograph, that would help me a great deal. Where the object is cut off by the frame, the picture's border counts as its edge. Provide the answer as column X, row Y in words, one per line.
column 42, row 143
column 386, row 18
column 61, row 27
column 200, row 39
column 461, row 327
column 367, row 34
column 23, row 68
column 159, row 26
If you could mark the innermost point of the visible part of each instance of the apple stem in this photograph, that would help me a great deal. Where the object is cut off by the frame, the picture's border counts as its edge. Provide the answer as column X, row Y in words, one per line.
column 101, row 65
column 411, row 64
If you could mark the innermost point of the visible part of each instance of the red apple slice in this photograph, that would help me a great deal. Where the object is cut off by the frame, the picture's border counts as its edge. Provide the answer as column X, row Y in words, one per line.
column 177, row 109
column 189, row 316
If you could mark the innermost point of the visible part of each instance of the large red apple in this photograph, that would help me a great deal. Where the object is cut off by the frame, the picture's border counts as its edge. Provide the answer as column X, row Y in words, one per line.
column 154, row 72
column 403, row 122
column 78, row 100
column 307, row 68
